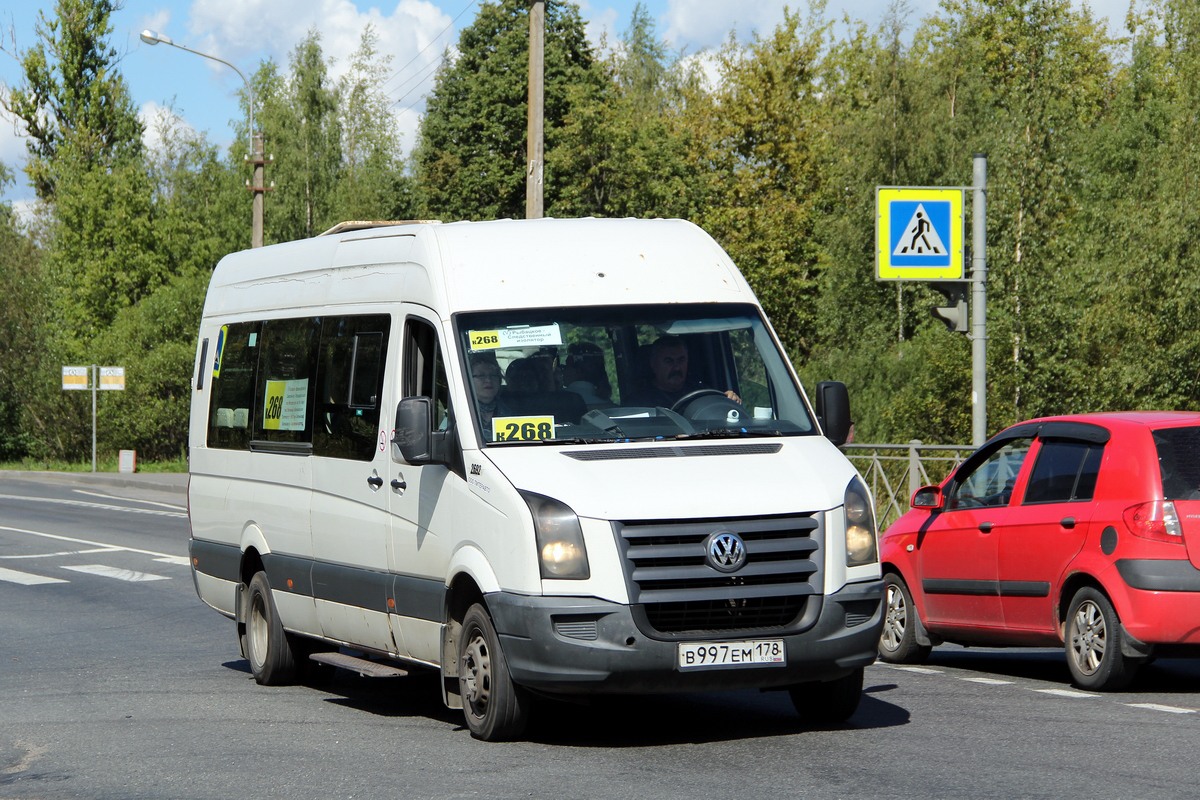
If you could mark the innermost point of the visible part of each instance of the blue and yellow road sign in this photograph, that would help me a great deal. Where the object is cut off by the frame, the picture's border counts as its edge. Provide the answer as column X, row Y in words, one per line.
column 919, row 234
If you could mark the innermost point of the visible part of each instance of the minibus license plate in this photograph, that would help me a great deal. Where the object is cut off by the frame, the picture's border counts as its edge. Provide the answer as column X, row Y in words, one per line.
column 696, row 655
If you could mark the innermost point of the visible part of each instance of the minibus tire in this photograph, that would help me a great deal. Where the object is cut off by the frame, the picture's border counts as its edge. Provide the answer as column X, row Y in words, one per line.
column 829, row 702
column 265, row 644
column 495, row 708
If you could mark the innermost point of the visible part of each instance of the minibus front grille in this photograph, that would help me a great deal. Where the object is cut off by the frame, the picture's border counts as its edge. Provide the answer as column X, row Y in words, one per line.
column 679, row 591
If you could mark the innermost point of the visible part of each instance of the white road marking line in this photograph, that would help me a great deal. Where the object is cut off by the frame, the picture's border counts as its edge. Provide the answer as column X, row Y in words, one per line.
column 119, row 574
column 987, row 681
column 57, row 537
column 918, row 670
column 25, row 578
column 172, row 506
column 67, row 553
column 1067, row 693
column 1158, row 707
column 177, row 561
column 104, row 506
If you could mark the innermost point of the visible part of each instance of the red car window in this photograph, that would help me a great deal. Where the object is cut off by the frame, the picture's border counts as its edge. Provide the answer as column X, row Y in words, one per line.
column 1179, row 462
column 991, row 482
column 1064, row 471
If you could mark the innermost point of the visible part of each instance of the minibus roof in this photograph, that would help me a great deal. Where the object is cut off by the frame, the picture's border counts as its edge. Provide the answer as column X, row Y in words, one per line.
column 469, row 266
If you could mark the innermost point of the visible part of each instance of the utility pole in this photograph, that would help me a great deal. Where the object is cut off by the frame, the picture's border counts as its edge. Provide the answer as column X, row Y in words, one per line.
column 979, row 302
column 258, row 160
column 256, row 157
column 535, row 146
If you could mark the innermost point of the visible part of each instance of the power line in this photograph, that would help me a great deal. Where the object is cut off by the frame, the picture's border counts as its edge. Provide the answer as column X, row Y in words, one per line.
column 421, row 52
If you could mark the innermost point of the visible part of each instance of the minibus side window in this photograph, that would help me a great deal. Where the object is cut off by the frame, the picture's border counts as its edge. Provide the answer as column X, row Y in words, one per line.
column 286, row 386
column 425, row 371
column 235, row 364
column 350, row 386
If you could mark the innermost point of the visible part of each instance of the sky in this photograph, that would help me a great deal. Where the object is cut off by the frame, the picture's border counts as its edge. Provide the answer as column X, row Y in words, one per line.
column 415, row 32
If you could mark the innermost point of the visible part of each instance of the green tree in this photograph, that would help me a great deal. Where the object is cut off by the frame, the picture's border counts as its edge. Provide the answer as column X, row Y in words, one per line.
column 86, row 159
column 201, row 208
column 1033, row 77
column 760, row 143
column 1139, row 339
column 625, row 141
column 21, row 325
column 155, row 340
column 371, row 183
column 300, row 122
column 74, row 104
column 470, row 156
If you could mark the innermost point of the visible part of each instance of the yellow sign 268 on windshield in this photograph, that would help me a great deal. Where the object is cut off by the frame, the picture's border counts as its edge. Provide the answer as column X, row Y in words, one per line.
column 485, row 340
column 518, row 429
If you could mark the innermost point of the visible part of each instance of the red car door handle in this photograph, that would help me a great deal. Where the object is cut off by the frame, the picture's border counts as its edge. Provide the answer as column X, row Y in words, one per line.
column 985, row 527
column 1067, row 522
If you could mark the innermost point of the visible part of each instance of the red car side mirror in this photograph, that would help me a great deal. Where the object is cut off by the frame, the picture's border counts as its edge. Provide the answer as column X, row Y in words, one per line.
column 928, row 497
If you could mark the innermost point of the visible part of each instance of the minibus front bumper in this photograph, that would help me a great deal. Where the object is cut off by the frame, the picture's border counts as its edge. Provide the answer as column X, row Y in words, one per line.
column 566, row 645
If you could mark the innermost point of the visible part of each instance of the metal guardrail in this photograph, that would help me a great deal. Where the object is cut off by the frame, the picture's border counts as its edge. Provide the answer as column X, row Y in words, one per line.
column 894, row 471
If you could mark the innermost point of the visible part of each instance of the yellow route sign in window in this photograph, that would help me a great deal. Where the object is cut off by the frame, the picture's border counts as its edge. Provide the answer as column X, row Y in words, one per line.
column 919, row 234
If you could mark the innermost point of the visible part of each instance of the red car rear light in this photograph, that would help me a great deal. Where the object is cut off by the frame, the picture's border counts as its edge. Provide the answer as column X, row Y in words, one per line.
column 1155, row 520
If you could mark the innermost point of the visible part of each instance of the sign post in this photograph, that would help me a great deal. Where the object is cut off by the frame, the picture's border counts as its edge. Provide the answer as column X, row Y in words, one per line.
column 920, row 236
column 77, row 378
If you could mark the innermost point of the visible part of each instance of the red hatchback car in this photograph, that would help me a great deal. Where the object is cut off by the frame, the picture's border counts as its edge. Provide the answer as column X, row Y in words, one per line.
column 1081, row 531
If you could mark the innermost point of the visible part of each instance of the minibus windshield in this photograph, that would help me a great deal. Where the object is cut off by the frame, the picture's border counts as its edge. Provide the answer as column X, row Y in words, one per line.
column 608, row 373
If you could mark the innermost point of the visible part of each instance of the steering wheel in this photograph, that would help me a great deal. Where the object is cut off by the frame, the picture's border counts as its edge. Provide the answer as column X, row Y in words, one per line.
column 684, row 401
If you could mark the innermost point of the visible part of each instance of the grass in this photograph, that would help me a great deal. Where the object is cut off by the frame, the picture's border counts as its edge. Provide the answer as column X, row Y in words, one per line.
column 110, row 464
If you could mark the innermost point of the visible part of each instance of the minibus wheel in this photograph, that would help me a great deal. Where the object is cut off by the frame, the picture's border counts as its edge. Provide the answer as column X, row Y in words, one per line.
column 829, row 702
column 495, row 708
column 264, row 643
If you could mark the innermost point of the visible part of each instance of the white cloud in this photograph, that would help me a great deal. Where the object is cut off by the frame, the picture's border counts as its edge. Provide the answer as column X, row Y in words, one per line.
column 12, row 143
column 415, row 34
column 235, row 29
column 158, row 121
column 707, row 23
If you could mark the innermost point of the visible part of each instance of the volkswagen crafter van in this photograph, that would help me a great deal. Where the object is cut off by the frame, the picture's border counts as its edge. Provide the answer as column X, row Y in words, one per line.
column 449, row 446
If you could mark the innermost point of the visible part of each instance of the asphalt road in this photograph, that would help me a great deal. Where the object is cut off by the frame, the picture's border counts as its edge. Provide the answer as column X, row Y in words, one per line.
column 117, row 682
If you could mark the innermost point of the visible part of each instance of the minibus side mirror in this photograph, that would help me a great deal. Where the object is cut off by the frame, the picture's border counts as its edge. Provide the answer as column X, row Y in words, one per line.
column 833, row 410
column 414, row 430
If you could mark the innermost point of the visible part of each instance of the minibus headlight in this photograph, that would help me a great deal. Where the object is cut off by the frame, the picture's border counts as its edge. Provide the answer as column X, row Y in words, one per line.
column 861, row 547
column 561, row 551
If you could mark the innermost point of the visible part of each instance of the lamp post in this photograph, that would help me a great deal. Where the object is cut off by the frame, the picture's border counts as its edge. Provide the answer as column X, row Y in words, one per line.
column 258, row 186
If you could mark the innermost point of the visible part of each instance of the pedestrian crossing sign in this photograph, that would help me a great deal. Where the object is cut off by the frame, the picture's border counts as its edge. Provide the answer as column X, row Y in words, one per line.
column 919, row 234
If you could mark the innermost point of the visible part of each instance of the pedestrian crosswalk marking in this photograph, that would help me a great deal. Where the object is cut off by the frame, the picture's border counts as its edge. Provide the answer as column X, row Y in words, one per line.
column 1066, row 693
column 60, row 538
column 62, row 553
column 165, row 512
column 25, row 578
column 115, row 572
column 1158, row 707
column 917, row 670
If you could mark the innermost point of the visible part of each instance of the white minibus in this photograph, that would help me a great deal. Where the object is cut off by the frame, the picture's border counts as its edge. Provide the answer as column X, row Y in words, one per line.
column 555, row 457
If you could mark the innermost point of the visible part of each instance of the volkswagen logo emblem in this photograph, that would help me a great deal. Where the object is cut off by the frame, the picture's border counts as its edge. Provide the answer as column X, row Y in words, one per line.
column 725, row 551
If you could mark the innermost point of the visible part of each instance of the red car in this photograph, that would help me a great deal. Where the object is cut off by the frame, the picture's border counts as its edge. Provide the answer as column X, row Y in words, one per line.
column 1081, row 531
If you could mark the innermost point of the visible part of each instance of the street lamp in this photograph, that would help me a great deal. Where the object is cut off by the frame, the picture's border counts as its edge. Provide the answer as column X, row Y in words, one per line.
column 256, row 139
